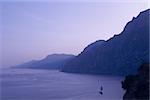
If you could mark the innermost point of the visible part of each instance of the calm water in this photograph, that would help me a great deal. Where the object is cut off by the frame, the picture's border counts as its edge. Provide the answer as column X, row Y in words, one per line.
column 29, row 84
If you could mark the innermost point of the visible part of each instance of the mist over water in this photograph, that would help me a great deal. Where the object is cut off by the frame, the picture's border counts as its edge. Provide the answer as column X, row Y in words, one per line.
column 29, row 84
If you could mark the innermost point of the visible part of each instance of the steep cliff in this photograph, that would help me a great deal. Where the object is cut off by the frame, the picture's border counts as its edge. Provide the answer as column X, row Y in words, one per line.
column 120, row 55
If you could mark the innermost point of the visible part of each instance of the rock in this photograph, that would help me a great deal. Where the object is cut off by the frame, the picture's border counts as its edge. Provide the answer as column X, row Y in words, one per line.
column 137, row 86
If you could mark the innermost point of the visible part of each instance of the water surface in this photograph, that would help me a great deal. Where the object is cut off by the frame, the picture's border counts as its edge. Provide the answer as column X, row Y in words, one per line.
column 31, row 84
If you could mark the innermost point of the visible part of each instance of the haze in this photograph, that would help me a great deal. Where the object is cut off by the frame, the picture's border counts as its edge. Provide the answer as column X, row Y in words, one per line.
column 32, row 30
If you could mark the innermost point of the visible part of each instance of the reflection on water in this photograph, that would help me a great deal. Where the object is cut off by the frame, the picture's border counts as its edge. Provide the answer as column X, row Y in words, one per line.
column 29, row 84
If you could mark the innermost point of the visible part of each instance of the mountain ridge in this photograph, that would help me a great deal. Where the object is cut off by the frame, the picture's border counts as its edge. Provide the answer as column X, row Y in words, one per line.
column 119, row 55
column 53, row 61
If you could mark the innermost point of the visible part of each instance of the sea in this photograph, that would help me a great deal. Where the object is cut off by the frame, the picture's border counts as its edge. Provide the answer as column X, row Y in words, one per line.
column 37, row 84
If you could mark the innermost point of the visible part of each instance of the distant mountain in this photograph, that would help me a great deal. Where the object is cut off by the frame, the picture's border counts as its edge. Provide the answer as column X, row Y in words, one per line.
column 120, row 55
column 54, row 61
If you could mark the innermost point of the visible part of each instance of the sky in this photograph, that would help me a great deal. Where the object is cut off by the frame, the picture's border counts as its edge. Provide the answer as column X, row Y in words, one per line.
column 34, row 29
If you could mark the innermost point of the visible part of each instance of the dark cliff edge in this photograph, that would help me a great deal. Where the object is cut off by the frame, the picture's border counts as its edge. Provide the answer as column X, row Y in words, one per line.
column 120, row 55
column 137, row 86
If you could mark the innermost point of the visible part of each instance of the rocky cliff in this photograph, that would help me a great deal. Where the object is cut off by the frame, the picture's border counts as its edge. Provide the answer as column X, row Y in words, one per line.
column 120, row 55
column 137, row 86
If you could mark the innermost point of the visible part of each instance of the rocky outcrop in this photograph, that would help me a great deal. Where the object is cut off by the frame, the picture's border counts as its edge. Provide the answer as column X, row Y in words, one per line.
column 120, row 55
column 137, row 86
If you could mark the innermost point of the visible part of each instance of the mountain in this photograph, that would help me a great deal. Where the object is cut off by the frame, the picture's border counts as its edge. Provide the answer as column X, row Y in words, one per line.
column 54, row 61
column 120, row 55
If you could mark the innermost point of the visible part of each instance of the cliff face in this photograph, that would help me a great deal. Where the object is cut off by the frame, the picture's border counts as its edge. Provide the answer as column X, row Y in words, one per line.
column 120, row 55
column 137, row 86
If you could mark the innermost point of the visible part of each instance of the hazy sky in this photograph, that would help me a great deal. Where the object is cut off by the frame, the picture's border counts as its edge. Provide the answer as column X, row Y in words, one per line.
column 32, row 30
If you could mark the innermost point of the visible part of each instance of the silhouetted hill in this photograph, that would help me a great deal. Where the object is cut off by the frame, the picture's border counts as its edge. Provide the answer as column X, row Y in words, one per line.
column 120, row 55
column 54, row 61
column 137, row 86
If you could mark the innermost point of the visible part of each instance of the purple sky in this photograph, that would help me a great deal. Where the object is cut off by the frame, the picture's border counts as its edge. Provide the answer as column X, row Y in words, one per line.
column 32, row 30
